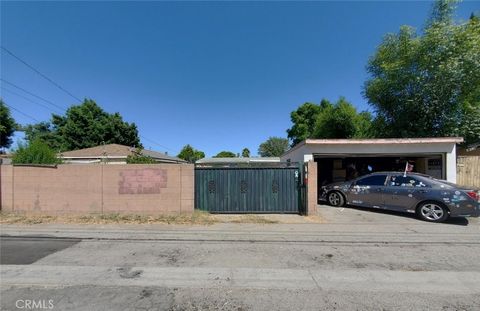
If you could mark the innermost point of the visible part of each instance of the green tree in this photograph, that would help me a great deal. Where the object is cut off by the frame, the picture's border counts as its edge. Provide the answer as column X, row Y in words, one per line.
column 341, row 120
column 45, row 132
column 83, row 126
column 225, row 154
column 273, row 147
column 137, row 157
column 190, row 154
column 428, row 84
column 35, row 152
column 7, row 126
column 246, row 153
column 303, row 120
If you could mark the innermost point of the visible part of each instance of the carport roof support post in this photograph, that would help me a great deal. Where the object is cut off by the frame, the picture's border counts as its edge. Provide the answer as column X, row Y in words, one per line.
column 312, row 199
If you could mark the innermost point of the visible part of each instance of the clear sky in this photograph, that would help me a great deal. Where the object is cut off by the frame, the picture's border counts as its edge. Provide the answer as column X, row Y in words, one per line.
column 217, row 75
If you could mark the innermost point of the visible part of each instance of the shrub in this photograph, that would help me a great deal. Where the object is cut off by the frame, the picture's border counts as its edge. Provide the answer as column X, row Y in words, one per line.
column 36, row 152
column 138, row 158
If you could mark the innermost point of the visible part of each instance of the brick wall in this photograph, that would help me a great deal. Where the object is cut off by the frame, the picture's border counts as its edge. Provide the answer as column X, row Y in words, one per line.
column 78, row 189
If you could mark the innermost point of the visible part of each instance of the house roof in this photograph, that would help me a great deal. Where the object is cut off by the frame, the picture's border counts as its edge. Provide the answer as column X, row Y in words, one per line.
column 115, row 151
column 239, row 160
column 378, row 141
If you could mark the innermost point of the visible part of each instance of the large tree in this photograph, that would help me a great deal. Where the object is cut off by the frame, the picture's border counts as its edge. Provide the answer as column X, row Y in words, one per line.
column 341, row 120
column 273, row 147
column 428, row 84
column 45, row 132
column 190, row 154
column 7, row 126
column 85, row 125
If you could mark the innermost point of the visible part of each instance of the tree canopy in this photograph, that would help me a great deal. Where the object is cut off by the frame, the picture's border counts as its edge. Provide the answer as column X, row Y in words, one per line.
column 341, row 120
column 246, row 153
column 190, row 154
column 273, row 147
column 225, row 154
column 428, row 84
column 303, row 120
column 329, row 120
column 83, row 126
column 7, row 126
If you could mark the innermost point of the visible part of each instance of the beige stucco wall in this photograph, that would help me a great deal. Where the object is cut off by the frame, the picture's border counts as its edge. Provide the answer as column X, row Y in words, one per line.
column 78, row 189
column 312, row 197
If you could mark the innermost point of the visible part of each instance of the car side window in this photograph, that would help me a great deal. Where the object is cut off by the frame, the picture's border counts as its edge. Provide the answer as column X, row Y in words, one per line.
column 406, row 181
column 374, row 180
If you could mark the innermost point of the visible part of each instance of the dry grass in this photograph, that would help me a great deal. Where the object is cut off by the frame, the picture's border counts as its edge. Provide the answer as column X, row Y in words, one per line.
column 253, row 219
column 196, row 218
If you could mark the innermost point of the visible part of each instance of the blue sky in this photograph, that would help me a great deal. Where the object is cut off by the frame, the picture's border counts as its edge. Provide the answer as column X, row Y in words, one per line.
column 217, row 75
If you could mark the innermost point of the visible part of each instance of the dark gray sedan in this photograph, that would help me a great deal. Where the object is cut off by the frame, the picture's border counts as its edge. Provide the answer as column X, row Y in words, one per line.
column 431, row 199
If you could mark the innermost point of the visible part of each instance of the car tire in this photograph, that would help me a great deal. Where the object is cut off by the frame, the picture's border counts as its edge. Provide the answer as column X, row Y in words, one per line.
column 432, row 211
column 336, row 199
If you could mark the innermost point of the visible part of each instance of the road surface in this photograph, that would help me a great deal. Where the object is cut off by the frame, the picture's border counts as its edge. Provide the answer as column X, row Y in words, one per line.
column 356, row 260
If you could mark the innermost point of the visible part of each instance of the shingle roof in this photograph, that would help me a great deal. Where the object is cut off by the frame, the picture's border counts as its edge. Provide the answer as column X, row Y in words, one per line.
column 116, row 150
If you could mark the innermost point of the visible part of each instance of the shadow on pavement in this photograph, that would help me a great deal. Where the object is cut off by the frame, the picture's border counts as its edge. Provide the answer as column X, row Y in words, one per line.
column 24, row 250
column 459, row 221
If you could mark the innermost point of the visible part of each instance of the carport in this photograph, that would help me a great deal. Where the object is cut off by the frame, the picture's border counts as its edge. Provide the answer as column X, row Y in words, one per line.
column 333, row 160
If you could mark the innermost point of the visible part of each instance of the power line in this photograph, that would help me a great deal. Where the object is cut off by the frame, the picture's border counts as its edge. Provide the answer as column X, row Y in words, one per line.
column 39, row 73
column 58, row 86
column 21, row 112
column 154, row 142
column 32, row 94
column 28, row 99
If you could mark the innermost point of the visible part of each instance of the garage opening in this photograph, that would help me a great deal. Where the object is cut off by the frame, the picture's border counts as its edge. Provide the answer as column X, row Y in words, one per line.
column 344, row 168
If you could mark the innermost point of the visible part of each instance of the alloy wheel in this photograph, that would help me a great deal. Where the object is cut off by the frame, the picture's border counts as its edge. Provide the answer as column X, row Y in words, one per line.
column 432, row 211
column 334, row 199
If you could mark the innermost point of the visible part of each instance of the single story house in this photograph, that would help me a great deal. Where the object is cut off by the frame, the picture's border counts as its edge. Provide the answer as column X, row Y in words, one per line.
column 112, row 154
column 344, row 159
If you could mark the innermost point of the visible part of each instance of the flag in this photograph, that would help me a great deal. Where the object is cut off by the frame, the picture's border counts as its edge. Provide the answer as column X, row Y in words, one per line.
column 408, row 168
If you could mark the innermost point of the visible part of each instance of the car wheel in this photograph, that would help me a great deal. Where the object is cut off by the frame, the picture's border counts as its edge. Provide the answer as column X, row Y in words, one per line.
column 432, row 211
column 335, row 198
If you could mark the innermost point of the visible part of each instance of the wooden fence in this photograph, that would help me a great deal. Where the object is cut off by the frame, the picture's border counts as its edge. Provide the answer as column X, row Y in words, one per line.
column 468, row 171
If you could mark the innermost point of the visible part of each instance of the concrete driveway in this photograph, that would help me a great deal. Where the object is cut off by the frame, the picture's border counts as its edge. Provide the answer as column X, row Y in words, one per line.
column 353, row 214
column 354, row 260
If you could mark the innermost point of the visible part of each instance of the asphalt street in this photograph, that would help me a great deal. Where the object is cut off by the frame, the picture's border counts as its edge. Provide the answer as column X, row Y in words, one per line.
column 355, row 260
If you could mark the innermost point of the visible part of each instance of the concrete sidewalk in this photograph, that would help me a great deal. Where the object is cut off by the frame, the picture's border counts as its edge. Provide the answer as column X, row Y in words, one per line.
column 465, row 282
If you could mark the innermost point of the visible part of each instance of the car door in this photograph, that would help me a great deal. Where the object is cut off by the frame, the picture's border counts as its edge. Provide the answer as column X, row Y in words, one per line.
column 402, row 192
column 368, row 191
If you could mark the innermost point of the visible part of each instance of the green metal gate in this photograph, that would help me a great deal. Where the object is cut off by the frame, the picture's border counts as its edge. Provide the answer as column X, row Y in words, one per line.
column 248, row 190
